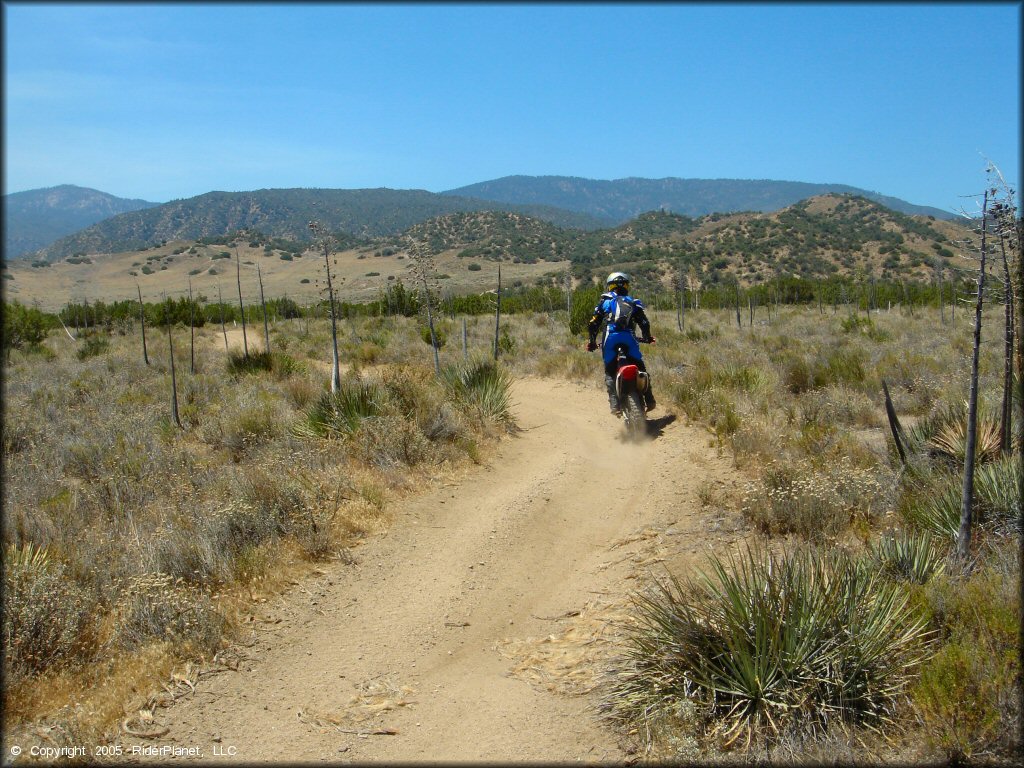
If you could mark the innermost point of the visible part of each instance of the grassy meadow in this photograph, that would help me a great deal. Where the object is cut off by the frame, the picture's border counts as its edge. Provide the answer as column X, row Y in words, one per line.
column 132, row 545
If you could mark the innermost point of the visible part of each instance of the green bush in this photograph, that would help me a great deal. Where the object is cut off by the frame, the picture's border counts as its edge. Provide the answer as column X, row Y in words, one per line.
column 968, row 695
column 485, row 387
column 24, row 327
column 769, row 644
column 240, row 363
column 340, row 413
column 92, row 345
column 932, row 501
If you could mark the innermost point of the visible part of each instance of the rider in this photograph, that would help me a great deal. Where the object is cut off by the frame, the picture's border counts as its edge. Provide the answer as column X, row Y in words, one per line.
column 619, row 312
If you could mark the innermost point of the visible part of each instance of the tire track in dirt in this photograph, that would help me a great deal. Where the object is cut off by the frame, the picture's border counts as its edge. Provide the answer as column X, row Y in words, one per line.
column 404, row 655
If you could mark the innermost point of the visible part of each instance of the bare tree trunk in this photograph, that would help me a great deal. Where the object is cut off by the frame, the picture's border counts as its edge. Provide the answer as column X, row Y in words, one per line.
column 266, row 328
column 739, row 319
column 963, row 543
column 142, row 319
column 241, row 306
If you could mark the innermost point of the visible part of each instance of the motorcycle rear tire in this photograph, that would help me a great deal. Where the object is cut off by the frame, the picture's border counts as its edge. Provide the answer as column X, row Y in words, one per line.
column 635, row 415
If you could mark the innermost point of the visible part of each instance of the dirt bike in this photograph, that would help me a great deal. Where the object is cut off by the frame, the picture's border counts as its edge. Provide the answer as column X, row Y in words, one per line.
column 631, row 388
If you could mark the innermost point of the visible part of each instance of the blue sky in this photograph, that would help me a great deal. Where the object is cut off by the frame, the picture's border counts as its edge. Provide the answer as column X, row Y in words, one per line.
column 164, row 101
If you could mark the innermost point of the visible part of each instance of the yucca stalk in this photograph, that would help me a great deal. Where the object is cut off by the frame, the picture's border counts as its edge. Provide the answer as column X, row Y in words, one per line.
column 963, row 544
column 142, row 320
column 326, row 244
column 192, row 330
column 241, row 306
column 174, row 380
column 497, row 315
column 263, row 303
column 223, row 328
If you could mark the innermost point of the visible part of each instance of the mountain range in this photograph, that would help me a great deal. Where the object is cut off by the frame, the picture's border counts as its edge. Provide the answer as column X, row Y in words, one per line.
column 38, row 217
column 623, row 199
column 94, row 222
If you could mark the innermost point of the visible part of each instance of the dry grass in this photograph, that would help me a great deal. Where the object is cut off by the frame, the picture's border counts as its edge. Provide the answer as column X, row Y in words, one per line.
column 155, row 537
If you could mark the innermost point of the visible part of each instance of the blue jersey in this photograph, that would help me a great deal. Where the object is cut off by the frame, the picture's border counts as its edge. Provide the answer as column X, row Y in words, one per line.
column 619, row 315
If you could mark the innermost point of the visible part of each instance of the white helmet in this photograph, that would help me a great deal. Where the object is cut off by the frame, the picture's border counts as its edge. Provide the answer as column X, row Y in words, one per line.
column 617, row 280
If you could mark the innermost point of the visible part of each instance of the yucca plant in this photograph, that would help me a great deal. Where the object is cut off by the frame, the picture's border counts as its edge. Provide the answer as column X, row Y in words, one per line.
column 764, row 644
column 484, row 386
column 996, row 490
column 909, row 557
column 340, row 413
column 943, row 435
column 242, row 362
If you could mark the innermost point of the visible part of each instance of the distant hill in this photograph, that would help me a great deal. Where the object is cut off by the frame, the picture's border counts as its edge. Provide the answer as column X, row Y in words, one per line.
column 818, row 238
column 623, row 199
column 812, row 239
column 285, row 213
column 37, row 217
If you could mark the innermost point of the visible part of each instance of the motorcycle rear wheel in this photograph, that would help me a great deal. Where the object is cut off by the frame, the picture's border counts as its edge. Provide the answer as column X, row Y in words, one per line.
column 635, row 415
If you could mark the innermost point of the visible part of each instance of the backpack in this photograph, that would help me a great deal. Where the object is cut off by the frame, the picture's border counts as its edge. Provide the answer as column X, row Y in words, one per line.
column 621, row 316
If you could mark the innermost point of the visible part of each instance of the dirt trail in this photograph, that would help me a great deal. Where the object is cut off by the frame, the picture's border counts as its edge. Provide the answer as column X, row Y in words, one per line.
column 421, row 636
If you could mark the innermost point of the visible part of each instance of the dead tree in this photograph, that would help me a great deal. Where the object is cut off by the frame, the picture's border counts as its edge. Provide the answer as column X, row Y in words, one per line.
column 326, row 243
column 963, row 542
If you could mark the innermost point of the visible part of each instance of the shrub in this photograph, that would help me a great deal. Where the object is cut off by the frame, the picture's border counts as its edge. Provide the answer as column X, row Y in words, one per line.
column 440, row 334
column 155, row 606
column 795, row 497
column 94, row 344
column 769, row 644
column 339, row 413
column 24, row 327
column 484, row 387
column 908, row 557
column 968, row 695
column 46, row 617
column 931, row 501
column 474, row 267
column 240, row 363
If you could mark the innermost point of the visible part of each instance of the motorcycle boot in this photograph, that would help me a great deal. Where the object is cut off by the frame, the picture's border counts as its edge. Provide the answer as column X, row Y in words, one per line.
column 649, row 398
column 613, row 398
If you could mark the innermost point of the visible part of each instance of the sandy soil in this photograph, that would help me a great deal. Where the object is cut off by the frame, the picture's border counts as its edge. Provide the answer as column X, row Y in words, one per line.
column 476, row 628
